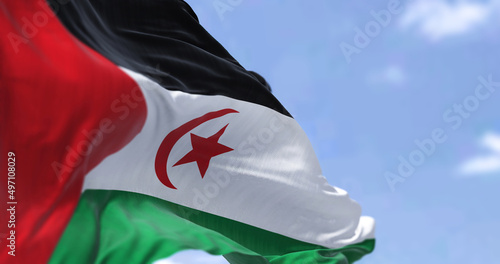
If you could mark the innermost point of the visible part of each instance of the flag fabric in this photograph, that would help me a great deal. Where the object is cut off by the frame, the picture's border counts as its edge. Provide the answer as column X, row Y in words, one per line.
column 130, row 134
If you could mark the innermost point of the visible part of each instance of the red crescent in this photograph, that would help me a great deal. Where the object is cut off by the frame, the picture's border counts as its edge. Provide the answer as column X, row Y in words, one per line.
column 168, row 143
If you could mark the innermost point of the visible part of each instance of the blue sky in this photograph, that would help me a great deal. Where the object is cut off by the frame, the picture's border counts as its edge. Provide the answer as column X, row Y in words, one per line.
column 413, row 77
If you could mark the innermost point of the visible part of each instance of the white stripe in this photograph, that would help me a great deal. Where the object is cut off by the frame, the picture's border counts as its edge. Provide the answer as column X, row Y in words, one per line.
column 272, row 179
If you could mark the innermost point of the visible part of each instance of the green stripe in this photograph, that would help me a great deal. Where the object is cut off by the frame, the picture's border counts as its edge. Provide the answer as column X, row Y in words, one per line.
column 125, row 227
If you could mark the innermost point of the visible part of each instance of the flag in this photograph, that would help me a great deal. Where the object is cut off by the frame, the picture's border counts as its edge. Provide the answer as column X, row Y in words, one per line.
column 130, row 134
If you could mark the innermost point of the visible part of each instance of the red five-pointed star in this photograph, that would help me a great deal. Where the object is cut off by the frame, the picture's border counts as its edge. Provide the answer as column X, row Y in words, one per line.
column 203, row 150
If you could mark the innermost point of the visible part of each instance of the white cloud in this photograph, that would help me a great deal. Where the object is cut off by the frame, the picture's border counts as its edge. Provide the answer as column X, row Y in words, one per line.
column 486, row 163
column 391, row 74
column 165, row 261
column 437, row 19
column 492, row 141
column 192, row 257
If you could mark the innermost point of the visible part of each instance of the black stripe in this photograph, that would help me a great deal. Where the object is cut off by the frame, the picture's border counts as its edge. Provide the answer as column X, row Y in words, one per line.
column 163, row 40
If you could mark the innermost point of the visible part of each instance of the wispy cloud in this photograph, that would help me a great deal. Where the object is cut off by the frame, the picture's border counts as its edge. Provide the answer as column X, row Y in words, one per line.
column 166, row 261
column 486, row 163
column 391, row 74
column 193, row 257
column 437, row 19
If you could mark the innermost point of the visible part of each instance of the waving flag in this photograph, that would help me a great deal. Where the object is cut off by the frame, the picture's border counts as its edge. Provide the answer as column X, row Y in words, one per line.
column 130, row 134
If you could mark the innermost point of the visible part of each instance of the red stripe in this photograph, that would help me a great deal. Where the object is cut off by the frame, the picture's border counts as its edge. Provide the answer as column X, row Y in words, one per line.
column 53, row 90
